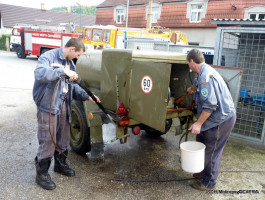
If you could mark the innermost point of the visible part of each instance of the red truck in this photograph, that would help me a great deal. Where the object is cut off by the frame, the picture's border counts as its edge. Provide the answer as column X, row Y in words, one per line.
column 34, row 40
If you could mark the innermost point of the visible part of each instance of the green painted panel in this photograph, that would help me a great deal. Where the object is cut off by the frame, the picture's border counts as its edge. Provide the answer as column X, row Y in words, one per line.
column 115, row 81
column 149, row 93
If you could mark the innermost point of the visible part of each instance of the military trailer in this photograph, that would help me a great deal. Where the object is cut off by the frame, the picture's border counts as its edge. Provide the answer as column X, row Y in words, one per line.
column 142, row 90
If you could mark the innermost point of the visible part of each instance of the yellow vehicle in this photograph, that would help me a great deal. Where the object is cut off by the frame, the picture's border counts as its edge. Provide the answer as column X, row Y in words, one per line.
column 113, row 37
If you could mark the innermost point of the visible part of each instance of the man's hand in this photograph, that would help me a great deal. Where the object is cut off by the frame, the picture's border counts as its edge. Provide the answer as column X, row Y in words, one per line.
column 191, row 89
column 98, row 100
column 195, row 128
column 71, row 74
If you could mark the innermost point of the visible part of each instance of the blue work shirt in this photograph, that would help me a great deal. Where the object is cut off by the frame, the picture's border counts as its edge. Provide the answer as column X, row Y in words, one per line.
column 49, row 70
column 213, row 96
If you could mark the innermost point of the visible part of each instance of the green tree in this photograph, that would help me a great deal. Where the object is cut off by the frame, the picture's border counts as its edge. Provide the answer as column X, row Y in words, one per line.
column 86, row 10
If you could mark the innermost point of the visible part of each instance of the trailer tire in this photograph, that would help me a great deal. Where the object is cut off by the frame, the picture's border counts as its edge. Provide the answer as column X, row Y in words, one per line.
column 79, row 130
column 20, row 52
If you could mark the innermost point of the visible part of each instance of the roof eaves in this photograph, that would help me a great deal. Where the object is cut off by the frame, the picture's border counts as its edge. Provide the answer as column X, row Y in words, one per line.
column 244, row 22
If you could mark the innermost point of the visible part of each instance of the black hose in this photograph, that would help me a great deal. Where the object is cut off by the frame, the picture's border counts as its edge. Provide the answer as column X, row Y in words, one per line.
column 81, row 83
column 183, row 136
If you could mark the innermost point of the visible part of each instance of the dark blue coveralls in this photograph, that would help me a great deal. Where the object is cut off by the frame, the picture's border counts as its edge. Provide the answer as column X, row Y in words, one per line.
column 49, row 70
column 213, row 96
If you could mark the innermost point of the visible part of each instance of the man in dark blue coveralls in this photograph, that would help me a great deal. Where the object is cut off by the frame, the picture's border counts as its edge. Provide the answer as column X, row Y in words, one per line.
column 216, row 117
column 53, row 67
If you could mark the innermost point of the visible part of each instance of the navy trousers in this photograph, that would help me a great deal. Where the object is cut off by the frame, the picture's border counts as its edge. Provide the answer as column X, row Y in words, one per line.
column 214, row 140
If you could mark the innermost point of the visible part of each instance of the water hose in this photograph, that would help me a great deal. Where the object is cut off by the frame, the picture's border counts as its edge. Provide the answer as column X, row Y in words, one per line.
column 183, row 136
column 180, row 99
column 81, row 83
column 50, row 116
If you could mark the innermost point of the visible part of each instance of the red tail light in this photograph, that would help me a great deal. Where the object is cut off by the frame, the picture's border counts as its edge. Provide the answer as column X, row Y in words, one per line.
column 121, row 109
column 136, row 130
column 123, row 121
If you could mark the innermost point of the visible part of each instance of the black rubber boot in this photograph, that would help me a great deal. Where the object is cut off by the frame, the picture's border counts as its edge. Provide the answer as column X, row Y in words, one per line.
column 43, row 178
column 199, row 175
column 60, row 164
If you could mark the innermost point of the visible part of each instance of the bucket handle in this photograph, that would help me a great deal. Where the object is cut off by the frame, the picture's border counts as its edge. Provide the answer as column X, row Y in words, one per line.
column 183, row 136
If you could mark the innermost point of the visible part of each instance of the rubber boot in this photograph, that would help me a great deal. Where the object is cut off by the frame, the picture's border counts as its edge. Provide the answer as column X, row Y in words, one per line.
column 199, row 175
column 43, row 178
column 60, row 164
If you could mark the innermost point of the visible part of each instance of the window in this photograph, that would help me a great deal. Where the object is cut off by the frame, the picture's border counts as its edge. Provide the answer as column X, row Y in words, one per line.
column 257, row 16
column 88, row 34
column 15, row 32
column 196, row 10
column 120, row 15
column 106, row 36
column 196, row 13
column 97, row 35
column 255, row 12
column 155, row 14
column 156, row 11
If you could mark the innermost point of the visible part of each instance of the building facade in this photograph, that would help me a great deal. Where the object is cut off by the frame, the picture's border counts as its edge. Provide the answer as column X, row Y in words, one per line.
column 192, row 17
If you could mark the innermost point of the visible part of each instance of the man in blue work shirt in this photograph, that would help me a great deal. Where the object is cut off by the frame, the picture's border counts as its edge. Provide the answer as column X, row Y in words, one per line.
column 216, row 117
column 54, row 123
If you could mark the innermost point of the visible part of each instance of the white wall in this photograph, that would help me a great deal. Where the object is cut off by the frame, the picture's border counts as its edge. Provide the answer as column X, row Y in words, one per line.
column 7, row 30
column 1, row 29
column 4, row 30
column 203, row 36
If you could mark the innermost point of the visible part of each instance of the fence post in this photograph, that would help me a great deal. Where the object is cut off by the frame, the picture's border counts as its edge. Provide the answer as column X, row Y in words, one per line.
column 7, row 44
column 167, row 46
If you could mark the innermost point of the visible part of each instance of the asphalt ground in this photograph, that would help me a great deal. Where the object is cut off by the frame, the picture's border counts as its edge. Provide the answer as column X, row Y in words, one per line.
column 143, row 168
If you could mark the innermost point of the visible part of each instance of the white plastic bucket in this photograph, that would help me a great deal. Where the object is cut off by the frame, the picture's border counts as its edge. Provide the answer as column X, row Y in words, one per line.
column 192, row 156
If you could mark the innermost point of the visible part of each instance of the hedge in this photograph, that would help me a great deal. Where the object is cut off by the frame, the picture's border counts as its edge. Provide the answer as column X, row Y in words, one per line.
column 3, row 40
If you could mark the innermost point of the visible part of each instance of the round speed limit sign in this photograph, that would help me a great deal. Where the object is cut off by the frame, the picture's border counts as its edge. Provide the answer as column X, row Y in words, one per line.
column 147, row 84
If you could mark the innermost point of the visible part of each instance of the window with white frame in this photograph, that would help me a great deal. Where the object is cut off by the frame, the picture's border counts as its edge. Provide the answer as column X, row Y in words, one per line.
column 257, row 16
column 196, row 10
column 196, row 13
column 156, row 12
column 255, row 12
column 120, row 15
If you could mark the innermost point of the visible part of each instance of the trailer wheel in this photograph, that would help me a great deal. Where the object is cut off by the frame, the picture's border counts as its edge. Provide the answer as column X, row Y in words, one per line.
column 150, row 132
column 79, row 130
column 20, row 52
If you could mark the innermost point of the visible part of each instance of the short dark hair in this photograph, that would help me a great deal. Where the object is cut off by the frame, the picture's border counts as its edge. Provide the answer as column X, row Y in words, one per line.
column 77, row 43
column 196, row 55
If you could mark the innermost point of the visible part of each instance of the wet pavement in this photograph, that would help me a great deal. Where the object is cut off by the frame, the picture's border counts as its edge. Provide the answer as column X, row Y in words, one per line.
column 135, row 170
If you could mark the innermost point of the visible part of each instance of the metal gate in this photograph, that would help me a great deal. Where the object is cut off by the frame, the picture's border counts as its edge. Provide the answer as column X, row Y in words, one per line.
column 245, row 47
